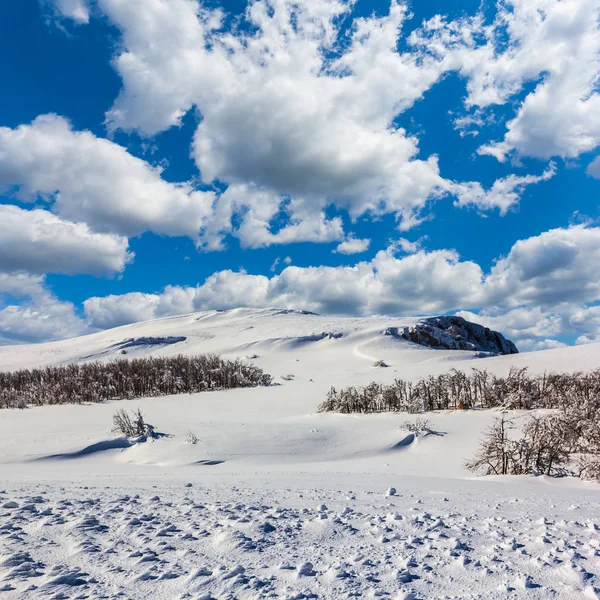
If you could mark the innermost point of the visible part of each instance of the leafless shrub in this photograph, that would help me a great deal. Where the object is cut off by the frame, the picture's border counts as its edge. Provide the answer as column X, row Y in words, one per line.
column 191, row 438
column 419, row 427
column 544, row 447
column 495, row 449
column 131, row 426
column 126, row 378
column 380, row 363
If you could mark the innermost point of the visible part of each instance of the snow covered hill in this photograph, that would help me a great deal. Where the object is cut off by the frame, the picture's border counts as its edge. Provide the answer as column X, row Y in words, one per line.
column 283, row 502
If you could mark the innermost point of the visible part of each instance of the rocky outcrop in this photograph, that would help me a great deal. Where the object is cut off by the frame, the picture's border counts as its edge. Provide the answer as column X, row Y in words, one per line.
column 454, row 333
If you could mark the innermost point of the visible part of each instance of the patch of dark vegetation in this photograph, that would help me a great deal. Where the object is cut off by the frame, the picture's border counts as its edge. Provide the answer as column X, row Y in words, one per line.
column 126, row 379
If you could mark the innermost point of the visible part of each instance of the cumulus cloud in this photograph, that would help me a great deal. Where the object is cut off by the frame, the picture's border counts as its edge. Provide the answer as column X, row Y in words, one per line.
column 276, row 110
column 352, row 245
column 553, row 46
column 424, row 282
column 39, row 316
column 96, row 181
column 299, row 101
column 90, row 179
column 40, row 242
column 557, row 266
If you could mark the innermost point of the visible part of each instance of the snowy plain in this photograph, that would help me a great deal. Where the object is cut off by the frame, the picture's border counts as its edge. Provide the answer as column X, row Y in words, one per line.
column 275, row 500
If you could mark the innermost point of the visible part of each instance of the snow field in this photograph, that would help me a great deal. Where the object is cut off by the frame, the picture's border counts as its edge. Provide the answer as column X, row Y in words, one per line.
column 190, row 541
column 282, row 502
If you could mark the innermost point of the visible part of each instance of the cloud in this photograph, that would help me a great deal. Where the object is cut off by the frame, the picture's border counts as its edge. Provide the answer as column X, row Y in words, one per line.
column 352, row 245
column 277, row 111
column 593, row 169
column 533, row 328
column 39, row 242
column 420, row 283
column 77, row 10
column 546, row 50
column 39, row 316
column 522, row 325
column 504, row 194
column 112, row 311
column 557, row 266
column 93, row 180
column 298, row 103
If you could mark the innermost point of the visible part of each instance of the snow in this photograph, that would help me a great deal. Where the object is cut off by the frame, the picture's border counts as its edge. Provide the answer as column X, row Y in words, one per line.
column 283, row 502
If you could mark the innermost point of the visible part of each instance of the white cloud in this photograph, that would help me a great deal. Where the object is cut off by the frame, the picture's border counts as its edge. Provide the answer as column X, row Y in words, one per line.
column 77, row 10
column 420, row 283
column 39, row 316
column 276, row 110
column 504, row 194
column 522, row 325
column 96, row 181
column 112, row 311
column 593, row 169
column 40, row 242
column 557, row 266
column 552, row 46
column 548, row 345
column 292, row 130
column 352, row 245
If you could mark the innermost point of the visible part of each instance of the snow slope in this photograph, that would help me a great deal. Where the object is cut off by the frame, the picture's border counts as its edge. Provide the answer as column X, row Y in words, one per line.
column 264, row 459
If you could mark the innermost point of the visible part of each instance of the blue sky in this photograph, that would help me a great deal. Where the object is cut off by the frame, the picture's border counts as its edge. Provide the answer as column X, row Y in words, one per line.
column 405, row 158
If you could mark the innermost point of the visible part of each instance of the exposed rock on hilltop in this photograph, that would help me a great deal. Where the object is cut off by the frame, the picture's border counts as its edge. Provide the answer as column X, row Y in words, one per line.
column 454, row 333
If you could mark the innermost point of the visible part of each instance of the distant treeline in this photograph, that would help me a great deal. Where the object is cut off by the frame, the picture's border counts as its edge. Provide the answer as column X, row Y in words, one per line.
column 126, row 378
column 458, row 390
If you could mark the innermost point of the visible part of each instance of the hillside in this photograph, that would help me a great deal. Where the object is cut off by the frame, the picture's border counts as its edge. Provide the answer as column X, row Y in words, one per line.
column 275, row 487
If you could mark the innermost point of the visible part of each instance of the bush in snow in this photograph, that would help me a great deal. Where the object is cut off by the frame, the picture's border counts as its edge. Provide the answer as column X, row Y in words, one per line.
column 380, row 363
column 191, row 438
column 419, row 427
column 124, row 378
column 131, row 426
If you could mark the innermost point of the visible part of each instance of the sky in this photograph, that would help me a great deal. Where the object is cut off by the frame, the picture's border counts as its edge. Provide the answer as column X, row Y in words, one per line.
column 161, row 157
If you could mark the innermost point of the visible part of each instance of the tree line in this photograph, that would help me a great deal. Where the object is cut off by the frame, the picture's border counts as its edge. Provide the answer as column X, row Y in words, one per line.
column 125, row 379
column 458, row 390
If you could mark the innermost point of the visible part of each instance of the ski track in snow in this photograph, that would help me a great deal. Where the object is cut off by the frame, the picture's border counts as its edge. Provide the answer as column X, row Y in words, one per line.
column 179, row 541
